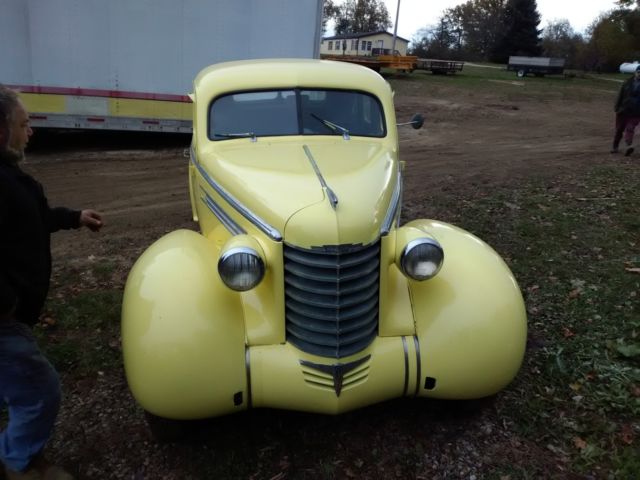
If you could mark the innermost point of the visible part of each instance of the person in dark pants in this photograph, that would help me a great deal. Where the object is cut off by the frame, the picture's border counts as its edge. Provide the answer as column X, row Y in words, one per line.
column 627, row 110
column 29, row 385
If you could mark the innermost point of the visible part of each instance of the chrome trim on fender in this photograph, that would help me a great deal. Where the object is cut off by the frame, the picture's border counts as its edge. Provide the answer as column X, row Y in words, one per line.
column 394, row 207
column 247, row 363
column 267, row 229
column 406, row 366
column 221, row 215
column 417, row 343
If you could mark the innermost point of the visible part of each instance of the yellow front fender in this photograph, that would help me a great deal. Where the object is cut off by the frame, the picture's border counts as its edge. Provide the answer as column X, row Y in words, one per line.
column 183, row 331
column 471, row 323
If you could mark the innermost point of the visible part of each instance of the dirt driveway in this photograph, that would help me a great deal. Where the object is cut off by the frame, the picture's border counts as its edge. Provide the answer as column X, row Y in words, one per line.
column 472, row 142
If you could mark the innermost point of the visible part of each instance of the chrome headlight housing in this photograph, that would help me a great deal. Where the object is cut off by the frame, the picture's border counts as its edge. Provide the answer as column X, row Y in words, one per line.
column 421, row 259
column 241, row 268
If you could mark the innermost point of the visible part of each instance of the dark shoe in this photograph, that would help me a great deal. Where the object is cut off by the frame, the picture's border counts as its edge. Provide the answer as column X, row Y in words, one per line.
column 40, row 469
column 28, row 474
column 614, row 150
column 628, row 151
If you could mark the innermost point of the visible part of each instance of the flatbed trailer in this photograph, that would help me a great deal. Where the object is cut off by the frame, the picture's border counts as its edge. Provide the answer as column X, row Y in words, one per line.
column 539, row 66
column 439, row 66
column 401, row 63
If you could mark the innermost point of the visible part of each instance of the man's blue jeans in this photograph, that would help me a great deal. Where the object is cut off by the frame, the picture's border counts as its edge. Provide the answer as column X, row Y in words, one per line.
column 30, row 389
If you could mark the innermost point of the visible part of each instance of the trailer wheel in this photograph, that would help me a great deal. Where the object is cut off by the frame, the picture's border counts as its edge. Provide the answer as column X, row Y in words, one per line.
column 522, row 73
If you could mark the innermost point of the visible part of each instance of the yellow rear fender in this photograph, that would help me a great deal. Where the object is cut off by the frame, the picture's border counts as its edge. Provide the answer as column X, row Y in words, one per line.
column 471, row 324
column 183, row 331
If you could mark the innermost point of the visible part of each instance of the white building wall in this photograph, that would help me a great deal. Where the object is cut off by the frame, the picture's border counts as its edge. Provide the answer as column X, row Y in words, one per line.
column 362, row 46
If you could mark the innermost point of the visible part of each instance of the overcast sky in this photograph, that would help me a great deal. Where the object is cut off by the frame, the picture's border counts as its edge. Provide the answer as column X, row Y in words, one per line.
column 415, row 14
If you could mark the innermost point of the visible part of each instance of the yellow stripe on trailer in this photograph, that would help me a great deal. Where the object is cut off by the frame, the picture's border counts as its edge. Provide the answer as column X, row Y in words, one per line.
column 126, row 107
column 41, row 103
column 44, row 103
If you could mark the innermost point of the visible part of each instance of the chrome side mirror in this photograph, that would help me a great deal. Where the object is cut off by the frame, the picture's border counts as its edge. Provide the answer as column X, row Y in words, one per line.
column 416, row 122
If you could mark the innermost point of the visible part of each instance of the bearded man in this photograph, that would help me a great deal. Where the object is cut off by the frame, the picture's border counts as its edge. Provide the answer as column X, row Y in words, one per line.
column 29, row 385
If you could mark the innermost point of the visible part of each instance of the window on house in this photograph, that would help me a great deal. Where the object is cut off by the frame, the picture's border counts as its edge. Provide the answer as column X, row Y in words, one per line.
column 330, row 45
column 369, row 46
column 353, row 44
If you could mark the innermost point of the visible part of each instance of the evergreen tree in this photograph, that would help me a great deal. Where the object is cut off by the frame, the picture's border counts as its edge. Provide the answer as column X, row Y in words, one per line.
column 629, row 3
column 520, row 33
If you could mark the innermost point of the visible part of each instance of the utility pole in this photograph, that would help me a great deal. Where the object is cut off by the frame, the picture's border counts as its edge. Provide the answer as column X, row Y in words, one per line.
column 395, row 30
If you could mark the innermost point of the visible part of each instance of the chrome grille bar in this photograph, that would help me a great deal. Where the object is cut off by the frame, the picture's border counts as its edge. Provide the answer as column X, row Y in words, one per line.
column 331, row 298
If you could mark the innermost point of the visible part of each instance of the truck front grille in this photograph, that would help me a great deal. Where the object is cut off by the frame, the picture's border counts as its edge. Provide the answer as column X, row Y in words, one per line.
column 331, row 298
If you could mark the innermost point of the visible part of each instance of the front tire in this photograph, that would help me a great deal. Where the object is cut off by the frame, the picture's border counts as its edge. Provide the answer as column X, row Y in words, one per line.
column 167, row 430
column 522, row 73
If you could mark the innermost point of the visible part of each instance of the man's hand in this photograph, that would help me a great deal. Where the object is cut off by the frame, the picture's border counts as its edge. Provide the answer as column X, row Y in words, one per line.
column 91, row 219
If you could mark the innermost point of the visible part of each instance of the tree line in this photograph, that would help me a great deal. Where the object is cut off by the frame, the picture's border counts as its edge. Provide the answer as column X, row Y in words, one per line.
column 493, row 30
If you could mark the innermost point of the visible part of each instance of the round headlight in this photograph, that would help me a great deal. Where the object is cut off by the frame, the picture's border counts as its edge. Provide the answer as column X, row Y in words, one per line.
column 241, row 268
column 422, row 259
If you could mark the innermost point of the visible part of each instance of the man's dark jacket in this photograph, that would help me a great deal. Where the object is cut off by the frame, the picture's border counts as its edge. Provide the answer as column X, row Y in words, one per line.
column 628, row 102
column 26, row 222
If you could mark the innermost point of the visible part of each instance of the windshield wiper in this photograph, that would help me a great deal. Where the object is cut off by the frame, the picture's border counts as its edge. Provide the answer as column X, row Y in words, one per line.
column 334, row 127
column 237, row 135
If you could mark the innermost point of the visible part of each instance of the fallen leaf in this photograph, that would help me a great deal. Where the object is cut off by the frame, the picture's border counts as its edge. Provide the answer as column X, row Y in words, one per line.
column 567, row 333
column 627, row 434
column 575, row 293
column 49, row 321
column 575, row 386
column 579, row 443
column 633, row 270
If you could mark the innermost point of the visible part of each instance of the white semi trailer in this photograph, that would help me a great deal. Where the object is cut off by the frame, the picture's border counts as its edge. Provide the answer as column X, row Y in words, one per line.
column 129, row 64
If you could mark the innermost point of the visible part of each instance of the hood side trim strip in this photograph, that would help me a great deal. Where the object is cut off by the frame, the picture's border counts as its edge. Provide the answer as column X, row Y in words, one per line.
column 221, row 215
column 394, row 207
column 267, row 229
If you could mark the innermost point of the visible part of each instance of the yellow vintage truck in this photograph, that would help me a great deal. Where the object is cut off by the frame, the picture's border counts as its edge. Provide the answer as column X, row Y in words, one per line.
column 302, row 290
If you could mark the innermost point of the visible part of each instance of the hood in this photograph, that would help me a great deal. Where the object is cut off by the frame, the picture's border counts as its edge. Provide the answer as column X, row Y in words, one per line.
column 278, row 182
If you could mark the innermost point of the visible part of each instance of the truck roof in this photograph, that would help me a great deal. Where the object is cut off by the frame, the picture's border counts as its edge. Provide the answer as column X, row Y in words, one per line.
column 287, row 73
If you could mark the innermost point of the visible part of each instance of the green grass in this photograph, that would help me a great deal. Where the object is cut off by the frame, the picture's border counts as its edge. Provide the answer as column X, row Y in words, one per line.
column 576, row 86
column 570, row 245
column 82, row 326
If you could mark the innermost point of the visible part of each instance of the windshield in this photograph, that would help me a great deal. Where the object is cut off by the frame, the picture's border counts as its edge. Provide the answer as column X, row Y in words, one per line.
column 296, row 112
